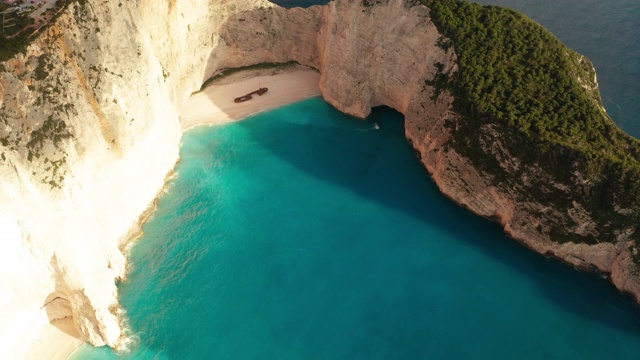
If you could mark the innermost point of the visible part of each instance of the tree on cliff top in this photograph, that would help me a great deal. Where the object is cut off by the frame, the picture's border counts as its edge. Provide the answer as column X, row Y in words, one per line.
column 516, row 75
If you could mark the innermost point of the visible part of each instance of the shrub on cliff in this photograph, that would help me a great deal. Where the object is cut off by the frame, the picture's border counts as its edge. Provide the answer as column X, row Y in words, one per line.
column 516, row 76
column 15, row 38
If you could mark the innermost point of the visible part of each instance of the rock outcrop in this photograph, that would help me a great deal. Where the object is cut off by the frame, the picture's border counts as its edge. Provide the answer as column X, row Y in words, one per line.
column 90, row 130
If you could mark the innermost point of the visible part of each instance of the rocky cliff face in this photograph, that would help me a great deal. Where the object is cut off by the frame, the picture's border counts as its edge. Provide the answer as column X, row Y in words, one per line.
column 90, row 130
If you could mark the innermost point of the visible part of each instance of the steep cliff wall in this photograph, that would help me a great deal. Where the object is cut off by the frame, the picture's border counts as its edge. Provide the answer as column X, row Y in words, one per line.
column 90, row 130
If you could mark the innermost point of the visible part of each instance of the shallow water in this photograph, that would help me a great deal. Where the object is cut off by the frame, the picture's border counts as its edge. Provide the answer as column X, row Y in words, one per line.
column 302, row 233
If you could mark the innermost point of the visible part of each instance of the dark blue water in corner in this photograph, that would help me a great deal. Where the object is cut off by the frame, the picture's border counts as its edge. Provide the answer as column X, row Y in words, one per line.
column 304, row 234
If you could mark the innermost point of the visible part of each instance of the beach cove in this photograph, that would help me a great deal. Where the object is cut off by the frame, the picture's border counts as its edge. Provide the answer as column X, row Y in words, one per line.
column 213, row 105
column 297, row 206
column 297, row 233
column 588, row 283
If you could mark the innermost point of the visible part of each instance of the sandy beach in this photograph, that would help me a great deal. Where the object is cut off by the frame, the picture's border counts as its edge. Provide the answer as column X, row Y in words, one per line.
column 57, row 341
column 43, row 340
column 214, row 105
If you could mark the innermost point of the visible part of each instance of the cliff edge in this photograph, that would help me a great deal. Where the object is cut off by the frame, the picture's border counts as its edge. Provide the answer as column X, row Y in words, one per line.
column 89, row 130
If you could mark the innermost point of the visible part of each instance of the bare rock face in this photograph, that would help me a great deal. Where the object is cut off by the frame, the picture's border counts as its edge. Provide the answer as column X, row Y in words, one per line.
column 89, row 129
column 373, row 55
column 367, row 55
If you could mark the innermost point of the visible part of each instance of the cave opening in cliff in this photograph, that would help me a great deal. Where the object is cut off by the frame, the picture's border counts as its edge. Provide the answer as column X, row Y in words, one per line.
column 387, row 119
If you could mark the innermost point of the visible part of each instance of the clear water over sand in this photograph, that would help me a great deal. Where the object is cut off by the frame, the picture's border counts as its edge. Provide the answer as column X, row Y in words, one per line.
column 301, row 233
column 304, row 234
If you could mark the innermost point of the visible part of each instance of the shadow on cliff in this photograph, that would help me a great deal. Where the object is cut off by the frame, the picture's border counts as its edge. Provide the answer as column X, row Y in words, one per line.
column 58, row 307
column 343, row 146
column 59, row 314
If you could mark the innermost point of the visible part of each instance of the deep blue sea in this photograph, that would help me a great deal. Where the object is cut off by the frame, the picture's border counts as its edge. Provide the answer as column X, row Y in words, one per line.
column 301, row 233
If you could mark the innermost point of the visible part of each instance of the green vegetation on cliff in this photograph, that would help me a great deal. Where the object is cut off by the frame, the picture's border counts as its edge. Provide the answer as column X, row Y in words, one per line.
column 12, row 44
column 18, row 28
column 519, row 80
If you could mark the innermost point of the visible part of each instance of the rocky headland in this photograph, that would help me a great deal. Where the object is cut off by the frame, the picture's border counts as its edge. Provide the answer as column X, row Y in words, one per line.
column 90, row 128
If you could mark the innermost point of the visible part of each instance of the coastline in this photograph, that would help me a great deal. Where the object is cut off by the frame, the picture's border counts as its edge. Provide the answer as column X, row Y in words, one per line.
column 55, row 341
column 212, row 105
column 39, row 335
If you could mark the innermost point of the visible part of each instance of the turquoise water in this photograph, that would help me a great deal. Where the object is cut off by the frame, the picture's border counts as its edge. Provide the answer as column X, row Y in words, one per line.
column 304, row 234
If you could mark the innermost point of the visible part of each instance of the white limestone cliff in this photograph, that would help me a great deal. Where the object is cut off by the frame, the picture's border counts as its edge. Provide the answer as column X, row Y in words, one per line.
column 88, row 145
column 104, row 117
